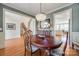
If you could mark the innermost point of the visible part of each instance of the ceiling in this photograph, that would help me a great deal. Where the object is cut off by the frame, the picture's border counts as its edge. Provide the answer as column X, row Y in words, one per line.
column 34, row 8
column 13, row 16
column 62, row 17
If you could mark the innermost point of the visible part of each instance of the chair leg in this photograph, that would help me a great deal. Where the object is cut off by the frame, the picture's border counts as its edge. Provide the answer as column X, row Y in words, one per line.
column 63, row 54
column 31, row 54
column 25, row 52
column 40, row 52
column 72, row 45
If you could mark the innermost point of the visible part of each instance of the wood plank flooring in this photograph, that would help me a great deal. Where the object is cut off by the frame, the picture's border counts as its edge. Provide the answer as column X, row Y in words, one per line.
column 15, row 47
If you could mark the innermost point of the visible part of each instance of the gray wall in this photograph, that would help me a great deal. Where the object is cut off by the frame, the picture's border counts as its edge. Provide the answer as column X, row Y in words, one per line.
column 1, row 17
column 75, row 16
column 1, row 25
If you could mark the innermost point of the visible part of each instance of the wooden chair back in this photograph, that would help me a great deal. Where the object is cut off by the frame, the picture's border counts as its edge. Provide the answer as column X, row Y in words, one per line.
column 27, row 42
column 23, row 28
column 27, row 36
column 65, row 45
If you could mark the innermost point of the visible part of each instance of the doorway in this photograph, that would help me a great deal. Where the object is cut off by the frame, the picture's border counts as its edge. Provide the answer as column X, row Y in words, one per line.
column 63, row 24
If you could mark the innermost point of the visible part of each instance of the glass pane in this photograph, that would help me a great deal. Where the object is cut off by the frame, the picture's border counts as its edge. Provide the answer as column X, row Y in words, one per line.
column 66, row 27
column 61, row 27
column 56, row 27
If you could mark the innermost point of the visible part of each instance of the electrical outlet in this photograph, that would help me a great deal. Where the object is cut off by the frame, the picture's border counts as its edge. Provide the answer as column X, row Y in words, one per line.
column 0, row 29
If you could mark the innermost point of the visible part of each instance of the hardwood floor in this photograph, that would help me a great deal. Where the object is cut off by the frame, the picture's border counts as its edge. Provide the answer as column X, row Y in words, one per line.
column 15, row 47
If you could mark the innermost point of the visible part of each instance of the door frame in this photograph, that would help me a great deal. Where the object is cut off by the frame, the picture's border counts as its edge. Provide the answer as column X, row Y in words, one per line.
column 70, row 25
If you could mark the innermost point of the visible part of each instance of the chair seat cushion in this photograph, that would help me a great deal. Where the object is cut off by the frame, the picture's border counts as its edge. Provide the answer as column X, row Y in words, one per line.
column 57, row 52
column 34, row 48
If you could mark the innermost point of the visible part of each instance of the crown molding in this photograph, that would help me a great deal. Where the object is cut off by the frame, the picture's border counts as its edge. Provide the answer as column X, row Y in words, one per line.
column 59, row 8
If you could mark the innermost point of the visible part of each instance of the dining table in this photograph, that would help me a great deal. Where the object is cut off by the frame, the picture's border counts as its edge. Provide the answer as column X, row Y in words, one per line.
column 48, row 43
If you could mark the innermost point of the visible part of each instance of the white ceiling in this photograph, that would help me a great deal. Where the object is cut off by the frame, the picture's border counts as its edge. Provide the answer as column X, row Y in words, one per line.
column 34, row 8
column 15, row 16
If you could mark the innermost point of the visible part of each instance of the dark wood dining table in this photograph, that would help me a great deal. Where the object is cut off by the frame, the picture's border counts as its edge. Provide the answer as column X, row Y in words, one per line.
column 48, row 43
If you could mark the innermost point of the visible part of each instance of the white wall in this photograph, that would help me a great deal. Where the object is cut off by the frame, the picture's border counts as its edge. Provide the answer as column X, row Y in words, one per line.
column 25, row 20
column 33, row 26
column 16, row 19
column 2, row 34
column 12, row 33
column 75, row 37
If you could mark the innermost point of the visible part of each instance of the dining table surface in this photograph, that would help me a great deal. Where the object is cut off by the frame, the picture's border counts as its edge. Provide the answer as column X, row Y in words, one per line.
column 46, row 42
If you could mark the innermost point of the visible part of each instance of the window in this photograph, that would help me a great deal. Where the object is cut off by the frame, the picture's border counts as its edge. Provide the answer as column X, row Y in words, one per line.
column 62, row 20
column 62, row 26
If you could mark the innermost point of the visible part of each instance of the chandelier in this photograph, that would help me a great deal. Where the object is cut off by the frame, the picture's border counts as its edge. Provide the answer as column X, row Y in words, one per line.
column 41, row 16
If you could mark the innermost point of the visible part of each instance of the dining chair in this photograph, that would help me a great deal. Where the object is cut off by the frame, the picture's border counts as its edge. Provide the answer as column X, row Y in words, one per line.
column 29, row 47
column 27, row 36
column 60, row 51
column 23, row 28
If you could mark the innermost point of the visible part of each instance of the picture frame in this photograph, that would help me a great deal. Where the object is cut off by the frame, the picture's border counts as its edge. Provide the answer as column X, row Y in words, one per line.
column 11, row 26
